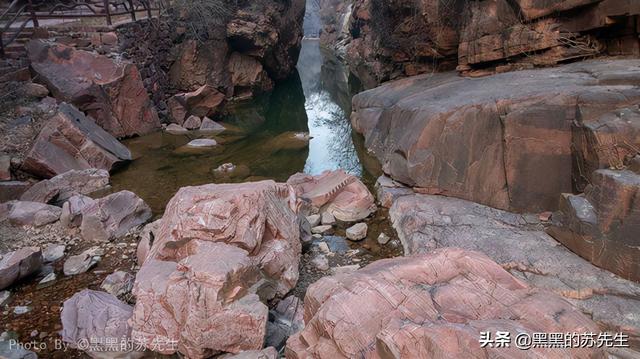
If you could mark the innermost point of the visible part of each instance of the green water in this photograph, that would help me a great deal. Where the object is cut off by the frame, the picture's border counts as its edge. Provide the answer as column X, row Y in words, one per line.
column 261, row 142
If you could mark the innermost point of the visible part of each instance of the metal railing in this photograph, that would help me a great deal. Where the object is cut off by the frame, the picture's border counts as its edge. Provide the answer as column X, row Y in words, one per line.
column 17, row 16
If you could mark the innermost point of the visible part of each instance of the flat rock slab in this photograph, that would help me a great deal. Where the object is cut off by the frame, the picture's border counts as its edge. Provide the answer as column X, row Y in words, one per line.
column 202, row 143
column 34, row 214
column 511, row 147
column 425, row 223
column 72, row 141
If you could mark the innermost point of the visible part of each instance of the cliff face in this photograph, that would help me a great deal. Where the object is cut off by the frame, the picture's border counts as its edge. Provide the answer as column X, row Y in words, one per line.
column 384, row 40
column 257, row 46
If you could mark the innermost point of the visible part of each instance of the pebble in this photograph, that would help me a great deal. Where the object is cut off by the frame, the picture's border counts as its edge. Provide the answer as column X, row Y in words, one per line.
column 321, row 229
column 328, row 219
column 5, row 295
column 357, row 232
column 321, row 262
column 19, row 310
column 383, row 239
column 324, row 247
column 53, row 252
column 49, row 278
column 314, row 220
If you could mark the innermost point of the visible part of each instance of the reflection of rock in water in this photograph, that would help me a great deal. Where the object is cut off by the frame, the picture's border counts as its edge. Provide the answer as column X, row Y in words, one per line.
column 338, row 81
column 279, row 111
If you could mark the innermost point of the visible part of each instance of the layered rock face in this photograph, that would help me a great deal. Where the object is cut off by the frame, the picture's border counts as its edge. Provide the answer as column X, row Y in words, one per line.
column 519, row 244
column 603, row 224
column 218, row 250
column 384, row 40
column 430, row 306
column 258, row 45
column 111, row 92
column 534, row 135
column 71, row 141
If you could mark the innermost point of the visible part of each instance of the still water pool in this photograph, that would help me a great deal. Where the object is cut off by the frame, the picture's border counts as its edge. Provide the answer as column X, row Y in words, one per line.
column 264, row 140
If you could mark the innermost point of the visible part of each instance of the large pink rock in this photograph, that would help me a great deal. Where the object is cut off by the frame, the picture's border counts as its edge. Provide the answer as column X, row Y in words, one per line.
column 111, row 217
column 110, row 91
column 71, row 141
column 431, row 306
column 217, row 251
column 96, row 322
column 341, row 194
column 19, row 264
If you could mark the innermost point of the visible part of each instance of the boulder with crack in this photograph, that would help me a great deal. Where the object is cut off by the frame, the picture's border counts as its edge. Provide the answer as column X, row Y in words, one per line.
column 603, row 224
column 109, row 91
column 71, row 141
column 342, row 195
column 426, row 222
column 431, row 306
column 218, row 250
column 111, row 217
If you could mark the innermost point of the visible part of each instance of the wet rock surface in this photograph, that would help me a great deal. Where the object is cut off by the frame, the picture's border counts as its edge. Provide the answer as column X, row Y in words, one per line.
column 503, row 138
column 425, row 223
column 110, row 92
column 423, row 306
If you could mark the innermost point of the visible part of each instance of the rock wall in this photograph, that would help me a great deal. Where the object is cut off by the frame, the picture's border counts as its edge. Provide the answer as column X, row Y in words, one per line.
column 384, row 40
column 257, row 46
column 534, row 135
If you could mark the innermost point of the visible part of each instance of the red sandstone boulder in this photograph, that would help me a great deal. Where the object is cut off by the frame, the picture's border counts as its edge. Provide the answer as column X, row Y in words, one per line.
column 432, row 306
column 336, row 192
column 203, row 102
column 71, row 141
column 62, row 187
column 217, row 251
column 96, row 323
column 35, row 214
column 111, row 217
column 111, row 92
column 510, row 148
column 603, row 225
column 19, row 264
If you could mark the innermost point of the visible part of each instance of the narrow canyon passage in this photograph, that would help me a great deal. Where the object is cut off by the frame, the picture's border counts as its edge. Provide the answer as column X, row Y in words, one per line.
column 303, row 126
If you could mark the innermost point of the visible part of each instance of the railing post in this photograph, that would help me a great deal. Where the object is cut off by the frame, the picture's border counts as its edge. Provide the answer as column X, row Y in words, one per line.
column 133, row 10
column 34, row 18
column 108, row 11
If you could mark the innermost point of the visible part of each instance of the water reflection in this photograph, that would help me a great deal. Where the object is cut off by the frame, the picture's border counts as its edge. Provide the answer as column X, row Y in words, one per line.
column 331, row 146
column 263, row 140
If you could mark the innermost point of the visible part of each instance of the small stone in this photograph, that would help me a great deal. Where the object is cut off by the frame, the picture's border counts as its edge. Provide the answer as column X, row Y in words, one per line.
column 225, row 168
column 314, row 220
column 192, row 123
column 209, row 125
column 53, row 252
column 5, row 295
column 328, row 219
column 49, row 278
column 175, row 129
column 545, row 216
column 357, row 232
column 383, row 239
column 203, row 142
column 82, row 262
column 31, row 89
column 34, row 333
column 321, row 229
column 317, row 236
column 320, row 262
column 118, row 283
column 22, row 309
